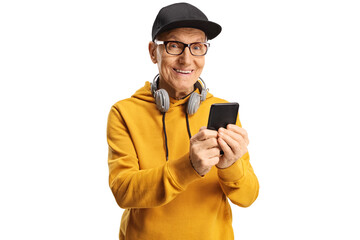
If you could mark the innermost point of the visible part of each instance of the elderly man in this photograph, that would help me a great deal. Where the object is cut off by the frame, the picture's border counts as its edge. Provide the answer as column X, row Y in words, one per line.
column 171, row 184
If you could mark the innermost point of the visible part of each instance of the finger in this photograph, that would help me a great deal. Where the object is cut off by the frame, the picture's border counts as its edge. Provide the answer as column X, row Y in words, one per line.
column 234, row 135
column 210, row 143
column 200, row 136
column 239, row 130
column 204, row 134
column 213, row 161
column 225, row 147
column 215, row 151
column 234, row 144
column 229, row 140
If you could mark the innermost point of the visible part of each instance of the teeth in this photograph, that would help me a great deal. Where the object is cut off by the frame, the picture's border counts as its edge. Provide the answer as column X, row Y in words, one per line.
column 181, row 71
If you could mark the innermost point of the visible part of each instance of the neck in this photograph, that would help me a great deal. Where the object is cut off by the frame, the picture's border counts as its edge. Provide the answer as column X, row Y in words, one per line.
column 176, row 94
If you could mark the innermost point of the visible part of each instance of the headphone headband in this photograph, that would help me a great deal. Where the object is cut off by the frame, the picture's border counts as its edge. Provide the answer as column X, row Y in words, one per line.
column 162, row 99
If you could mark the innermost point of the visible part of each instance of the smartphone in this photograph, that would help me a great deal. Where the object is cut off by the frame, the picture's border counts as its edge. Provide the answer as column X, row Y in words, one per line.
column 222, row 114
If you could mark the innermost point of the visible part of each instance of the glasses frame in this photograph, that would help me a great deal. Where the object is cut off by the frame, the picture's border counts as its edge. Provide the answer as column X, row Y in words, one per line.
column 185, row 45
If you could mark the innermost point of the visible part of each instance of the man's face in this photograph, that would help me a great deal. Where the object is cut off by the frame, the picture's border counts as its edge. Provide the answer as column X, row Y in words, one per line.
column 178, row 73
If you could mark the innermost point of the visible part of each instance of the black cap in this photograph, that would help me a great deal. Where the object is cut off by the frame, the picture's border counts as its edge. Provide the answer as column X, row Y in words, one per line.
column 182, row 15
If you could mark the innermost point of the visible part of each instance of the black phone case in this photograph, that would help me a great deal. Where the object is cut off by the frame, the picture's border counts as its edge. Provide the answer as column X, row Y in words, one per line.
column 222, row 114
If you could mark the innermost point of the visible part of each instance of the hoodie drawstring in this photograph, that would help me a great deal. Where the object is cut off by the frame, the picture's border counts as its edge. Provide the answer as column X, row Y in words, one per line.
column 164, row 129
column 188, row 125
column 166, row 145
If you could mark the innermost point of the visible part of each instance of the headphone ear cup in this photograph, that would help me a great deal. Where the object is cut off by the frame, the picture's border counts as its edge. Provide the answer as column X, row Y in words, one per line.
column 162, row 100
column 153, row 88
column 193, row 103
column 203, row 94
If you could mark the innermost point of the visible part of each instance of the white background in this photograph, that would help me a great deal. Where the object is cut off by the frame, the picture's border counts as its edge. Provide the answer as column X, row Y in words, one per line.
column 294, row 67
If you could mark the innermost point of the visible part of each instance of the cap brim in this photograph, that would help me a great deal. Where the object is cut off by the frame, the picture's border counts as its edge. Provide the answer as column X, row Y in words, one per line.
column 210, row 29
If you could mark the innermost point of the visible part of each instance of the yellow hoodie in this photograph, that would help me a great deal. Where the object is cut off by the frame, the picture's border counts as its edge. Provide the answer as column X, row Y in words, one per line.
column 169, row 199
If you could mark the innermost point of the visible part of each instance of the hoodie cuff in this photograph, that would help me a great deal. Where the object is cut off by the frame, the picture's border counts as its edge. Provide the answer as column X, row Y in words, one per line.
column 233, row 173
column 182, row 172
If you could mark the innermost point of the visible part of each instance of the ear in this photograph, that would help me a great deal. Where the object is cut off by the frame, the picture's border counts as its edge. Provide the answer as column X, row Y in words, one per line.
column 152, row 51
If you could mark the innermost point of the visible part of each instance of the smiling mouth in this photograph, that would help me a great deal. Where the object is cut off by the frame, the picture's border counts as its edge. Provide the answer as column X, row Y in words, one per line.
column 183, row 71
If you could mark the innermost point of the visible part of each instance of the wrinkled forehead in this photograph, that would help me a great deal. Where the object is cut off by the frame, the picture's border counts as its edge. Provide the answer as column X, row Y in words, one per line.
column 183, row 35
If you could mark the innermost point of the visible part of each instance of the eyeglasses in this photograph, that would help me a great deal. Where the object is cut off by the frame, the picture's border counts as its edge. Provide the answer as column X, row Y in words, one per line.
column 177, row 48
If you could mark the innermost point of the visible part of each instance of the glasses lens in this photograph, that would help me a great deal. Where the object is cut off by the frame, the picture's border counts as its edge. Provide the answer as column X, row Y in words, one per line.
column 198, row 49
column 174, row 47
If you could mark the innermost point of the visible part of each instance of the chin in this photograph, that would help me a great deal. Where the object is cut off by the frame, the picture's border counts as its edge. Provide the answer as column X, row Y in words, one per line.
column 185, row 85
column 186, row 80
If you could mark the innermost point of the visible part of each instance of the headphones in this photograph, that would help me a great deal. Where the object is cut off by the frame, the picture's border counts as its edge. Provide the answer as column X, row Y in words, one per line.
column 162, row 99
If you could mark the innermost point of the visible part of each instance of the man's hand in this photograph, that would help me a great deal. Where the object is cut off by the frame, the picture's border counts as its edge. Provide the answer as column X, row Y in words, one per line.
column 233, row 141
column 204, row 150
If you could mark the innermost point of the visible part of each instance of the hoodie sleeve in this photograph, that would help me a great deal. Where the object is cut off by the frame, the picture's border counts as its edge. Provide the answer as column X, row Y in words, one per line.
column 239, row 182
column 136, row 188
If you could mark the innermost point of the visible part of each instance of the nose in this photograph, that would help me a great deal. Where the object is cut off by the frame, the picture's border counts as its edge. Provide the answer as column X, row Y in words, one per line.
column 185, row 57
